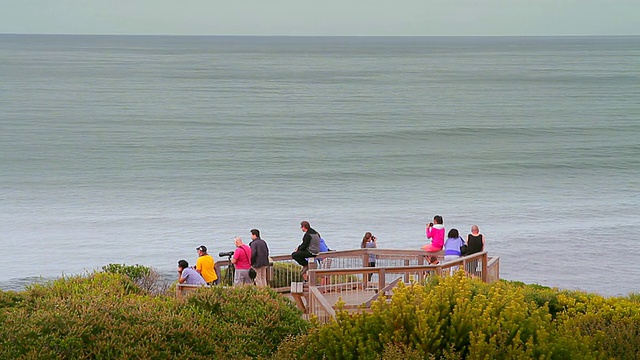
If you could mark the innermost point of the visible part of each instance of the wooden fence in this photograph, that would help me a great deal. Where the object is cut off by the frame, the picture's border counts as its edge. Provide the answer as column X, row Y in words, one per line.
column 346, row 276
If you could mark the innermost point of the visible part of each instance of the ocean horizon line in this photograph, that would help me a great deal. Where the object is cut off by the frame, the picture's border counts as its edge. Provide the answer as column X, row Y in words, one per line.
column 568, row 36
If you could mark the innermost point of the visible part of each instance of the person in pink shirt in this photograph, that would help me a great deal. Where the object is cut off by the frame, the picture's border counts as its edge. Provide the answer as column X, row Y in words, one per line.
column 242, row 262
column 435, row 232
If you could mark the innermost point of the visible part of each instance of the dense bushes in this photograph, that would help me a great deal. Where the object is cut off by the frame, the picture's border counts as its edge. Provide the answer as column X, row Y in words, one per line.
column 145, row 277
column 459, row 318
column 284, row 273
column 250, row 319
column 108, row 316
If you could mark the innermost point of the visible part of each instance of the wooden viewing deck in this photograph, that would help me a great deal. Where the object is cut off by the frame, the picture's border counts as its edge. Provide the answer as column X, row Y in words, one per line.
column 345, row 275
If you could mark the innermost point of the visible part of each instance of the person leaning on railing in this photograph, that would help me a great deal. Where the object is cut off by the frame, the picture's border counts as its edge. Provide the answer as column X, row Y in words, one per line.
column 187, row 275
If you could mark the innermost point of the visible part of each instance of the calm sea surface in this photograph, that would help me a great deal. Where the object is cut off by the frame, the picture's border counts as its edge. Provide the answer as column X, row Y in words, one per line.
column 124, row 149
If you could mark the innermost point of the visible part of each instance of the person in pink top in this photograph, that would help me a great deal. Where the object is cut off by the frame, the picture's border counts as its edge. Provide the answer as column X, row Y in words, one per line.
column 242, row 261
column 435, row 232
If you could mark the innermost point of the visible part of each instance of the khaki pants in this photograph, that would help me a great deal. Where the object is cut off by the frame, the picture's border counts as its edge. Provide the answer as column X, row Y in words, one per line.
column 261, row 276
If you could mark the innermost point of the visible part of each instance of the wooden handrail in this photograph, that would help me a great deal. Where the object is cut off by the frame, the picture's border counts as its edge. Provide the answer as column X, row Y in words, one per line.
column 381, row 292
column 315, row 293
column 182, row 288
column 321, row 300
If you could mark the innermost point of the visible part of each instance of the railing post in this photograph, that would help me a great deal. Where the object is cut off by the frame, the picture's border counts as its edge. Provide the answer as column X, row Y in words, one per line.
column 365, row 263
column 406, row 276
column 484, row 267
column 312, row 274
column 381, row 278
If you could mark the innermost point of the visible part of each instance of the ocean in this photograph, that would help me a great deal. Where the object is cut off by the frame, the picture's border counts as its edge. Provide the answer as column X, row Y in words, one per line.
column 138, row 149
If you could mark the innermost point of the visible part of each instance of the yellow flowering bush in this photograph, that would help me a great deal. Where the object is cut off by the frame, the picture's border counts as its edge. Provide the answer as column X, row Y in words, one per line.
column 460, row 318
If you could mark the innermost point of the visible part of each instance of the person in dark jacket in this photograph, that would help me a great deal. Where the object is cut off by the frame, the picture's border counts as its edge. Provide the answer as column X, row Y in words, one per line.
column 310, row 247
column 259, row 257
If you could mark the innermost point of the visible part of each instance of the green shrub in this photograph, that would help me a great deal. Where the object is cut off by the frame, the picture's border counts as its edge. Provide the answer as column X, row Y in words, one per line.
column 145, row 277
column 259, row 316
column 611, row 325
column 635, row 297
column 93, row 285
column 10, row 299
column 446, row 318
column 546, row 296
column 108, row 316
column 105, row 315
column 284, row 273
column 134, row 272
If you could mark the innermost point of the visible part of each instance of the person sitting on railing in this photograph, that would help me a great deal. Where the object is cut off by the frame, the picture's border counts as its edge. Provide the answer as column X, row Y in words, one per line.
column 435, row 232
column 310, row 247
column 323, row 244
column 187, row 275
column 323, row 248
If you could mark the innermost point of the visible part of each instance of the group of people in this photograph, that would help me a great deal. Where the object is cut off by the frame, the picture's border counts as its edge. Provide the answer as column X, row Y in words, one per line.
column 202, row 273
column 245, row 257
column 454, row 245
column 255, row 256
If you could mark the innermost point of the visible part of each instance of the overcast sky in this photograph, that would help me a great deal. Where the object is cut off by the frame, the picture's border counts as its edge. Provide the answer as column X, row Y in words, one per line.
column 325, row 17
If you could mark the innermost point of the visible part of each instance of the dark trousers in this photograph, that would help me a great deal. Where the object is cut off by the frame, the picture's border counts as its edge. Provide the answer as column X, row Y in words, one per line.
column 301, row 257
column 371, row 264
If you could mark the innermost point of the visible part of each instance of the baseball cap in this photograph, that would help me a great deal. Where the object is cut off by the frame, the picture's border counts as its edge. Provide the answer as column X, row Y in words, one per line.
column 202, row 248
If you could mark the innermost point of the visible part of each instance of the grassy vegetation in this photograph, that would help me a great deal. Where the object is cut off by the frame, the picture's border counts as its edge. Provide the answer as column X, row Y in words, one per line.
column 110, row 315
column 107, row 315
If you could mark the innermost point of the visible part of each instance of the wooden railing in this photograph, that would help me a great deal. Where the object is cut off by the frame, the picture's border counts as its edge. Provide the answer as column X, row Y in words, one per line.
column 346, row 275
column 358, row 288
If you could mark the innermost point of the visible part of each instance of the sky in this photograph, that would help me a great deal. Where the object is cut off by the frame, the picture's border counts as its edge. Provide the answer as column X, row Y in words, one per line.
column 324, row 18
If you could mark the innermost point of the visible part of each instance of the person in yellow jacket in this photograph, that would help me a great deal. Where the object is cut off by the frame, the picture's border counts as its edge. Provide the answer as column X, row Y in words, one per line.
column 205, row 265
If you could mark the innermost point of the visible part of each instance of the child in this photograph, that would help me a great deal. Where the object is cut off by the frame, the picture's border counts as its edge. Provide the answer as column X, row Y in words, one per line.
column 435, row 232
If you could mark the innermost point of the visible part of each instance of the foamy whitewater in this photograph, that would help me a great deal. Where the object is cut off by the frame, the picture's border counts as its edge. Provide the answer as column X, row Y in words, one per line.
column 125, row 149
